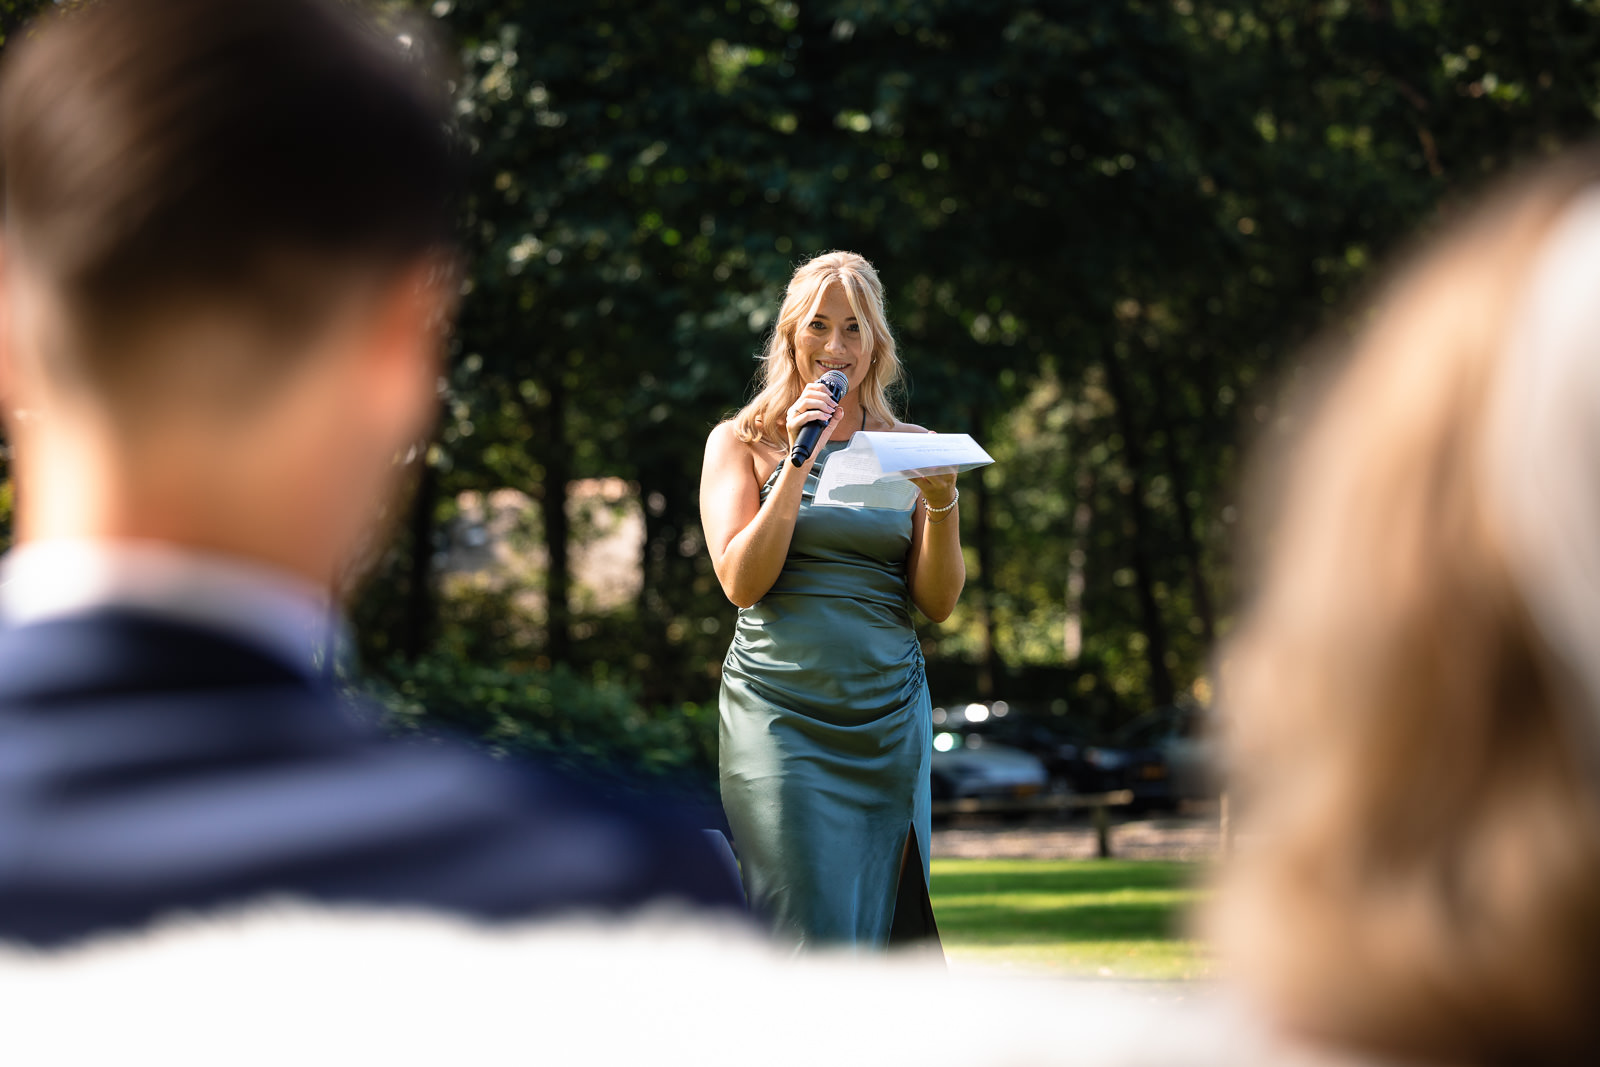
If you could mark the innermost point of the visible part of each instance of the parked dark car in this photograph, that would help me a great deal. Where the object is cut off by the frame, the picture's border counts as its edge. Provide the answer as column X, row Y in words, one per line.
column 1075, row 762
column 968, row 763
column 1170, row 757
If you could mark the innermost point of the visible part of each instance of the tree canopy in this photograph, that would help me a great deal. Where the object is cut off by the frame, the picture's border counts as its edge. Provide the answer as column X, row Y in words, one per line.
column 1106, row 229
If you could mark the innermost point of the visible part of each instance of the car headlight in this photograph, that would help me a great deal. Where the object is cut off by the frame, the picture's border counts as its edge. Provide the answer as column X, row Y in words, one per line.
column 1105, row 759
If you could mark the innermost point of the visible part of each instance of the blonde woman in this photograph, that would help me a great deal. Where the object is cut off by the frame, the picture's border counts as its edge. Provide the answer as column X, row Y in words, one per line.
column 825, row 734
column 1415, row 693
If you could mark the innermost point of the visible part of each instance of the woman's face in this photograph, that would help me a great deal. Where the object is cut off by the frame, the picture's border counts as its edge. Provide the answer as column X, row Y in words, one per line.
column 831, row 340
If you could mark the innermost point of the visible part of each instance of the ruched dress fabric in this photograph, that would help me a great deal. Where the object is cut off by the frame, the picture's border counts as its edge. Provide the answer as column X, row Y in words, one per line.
column 826, row 734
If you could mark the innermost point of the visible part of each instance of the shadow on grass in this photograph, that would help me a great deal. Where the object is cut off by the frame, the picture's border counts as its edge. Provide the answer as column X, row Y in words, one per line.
column 1036, row 876
column 995, row 922
column 1033, row 901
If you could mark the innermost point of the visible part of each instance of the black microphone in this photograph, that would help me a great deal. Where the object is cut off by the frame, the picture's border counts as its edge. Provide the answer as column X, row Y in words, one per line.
column 837, row 385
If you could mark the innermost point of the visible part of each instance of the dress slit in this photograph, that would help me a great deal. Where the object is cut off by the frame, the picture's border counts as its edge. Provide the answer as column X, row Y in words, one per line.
column 913, row 925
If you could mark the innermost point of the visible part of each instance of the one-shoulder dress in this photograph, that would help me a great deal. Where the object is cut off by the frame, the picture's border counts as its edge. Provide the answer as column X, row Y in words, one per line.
column 826, row 735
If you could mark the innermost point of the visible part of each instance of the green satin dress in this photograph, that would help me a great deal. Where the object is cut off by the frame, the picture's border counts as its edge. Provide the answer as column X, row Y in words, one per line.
column 826, row 735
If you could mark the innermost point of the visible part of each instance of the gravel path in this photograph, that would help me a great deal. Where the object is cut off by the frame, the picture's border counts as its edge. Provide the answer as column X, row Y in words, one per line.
column 1133, row 839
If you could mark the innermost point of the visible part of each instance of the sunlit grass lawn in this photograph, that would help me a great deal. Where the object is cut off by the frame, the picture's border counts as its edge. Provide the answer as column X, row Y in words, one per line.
column 1096, row 918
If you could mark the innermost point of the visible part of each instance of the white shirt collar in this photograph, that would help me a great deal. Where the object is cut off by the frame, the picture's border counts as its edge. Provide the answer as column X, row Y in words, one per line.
column 269, row 608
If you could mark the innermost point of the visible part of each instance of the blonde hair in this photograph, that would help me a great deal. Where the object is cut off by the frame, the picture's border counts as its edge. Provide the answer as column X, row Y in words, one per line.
column 781, row 382
column 1424, row 875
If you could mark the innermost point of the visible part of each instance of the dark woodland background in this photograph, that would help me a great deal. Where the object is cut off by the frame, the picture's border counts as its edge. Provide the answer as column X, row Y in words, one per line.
column 1107, row 228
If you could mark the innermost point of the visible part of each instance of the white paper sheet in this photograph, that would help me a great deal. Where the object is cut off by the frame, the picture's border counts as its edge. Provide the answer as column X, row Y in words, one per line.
column 874, row 469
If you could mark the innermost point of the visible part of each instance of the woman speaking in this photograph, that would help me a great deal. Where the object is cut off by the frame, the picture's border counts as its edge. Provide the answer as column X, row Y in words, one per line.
column 825, row 729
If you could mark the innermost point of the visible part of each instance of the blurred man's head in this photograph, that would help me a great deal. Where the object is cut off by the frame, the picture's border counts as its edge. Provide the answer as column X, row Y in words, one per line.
column 225, row 234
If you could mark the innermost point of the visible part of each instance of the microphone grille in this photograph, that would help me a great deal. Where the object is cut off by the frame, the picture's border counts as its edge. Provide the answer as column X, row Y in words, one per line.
column 836, row 382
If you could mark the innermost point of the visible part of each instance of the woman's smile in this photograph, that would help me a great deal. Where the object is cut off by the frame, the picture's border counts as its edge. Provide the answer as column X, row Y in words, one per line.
column 831, row 339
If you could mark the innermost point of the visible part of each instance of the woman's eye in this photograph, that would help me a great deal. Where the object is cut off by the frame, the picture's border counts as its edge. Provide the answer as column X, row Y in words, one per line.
column 818, row 326
column 854, row 328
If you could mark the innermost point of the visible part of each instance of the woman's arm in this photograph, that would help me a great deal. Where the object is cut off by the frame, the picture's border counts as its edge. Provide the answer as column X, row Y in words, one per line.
column 748, row 539
column 936, row 570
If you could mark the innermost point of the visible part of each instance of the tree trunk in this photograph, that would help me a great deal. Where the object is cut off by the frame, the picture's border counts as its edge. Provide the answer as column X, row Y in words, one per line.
column 1162, row 690
column 1077, row 566
column 990, row 666
column 419, row 610
column 557, row 528
column 653, row 551
column 661, row 587
column 1191, row 544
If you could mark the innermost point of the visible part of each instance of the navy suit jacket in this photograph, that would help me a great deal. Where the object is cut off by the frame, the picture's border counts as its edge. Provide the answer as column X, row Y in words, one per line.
column 150, row 767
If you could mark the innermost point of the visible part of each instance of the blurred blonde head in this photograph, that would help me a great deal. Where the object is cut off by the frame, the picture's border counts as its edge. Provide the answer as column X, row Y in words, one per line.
column 1414, row 743
column 781, row 377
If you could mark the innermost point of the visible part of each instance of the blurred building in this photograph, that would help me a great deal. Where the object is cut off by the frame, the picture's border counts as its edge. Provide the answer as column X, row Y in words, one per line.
column 495, row 543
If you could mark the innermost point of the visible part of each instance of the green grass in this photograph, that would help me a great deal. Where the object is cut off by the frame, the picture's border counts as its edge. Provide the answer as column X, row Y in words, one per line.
column 1096, row 918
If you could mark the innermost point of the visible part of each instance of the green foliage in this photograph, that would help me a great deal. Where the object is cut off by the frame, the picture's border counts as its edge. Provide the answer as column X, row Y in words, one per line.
column 14, row 15
column 487, row 678
column 1105, row 229
column 556, row 716
column 7, row 507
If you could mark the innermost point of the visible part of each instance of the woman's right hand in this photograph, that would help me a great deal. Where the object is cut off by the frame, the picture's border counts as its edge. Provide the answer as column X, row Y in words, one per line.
column 814, row 399
column 749, row 539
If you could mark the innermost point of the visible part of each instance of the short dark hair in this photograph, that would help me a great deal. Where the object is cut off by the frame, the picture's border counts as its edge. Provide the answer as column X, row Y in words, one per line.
column 157, row 152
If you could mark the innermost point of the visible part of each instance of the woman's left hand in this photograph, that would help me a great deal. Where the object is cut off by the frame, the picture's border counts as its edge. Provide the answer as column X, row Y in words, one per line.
column 937, row 489
column 936, row 569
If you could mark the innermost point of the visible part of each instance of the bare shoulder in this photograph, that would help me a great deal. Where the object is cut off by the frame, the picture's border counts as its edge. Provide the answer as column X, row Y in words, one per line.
column 908, row 427
column 725, row 451
column 723, row 439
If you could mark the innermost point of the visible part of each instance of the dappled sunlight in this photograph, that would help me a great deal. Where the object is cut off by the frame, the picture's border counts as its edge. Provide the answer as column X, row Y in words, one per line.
column 1104, row 919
